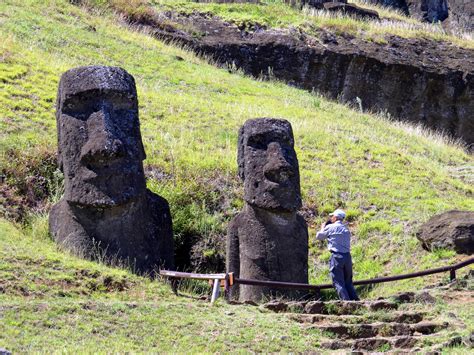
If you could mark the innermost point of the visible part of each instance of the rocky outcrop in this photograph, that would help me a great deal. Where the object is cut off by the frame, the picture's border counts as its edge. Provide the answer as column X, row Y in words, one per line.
column 455, row 14
column 461, row 14
column 411, row 79
column 428, row 10
column 107, row 212
column 451, row 230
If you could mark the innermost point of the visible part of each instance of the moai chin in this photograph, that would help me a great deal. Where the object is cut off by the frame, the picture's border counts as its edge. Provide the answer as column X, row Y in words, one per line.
column 106, row 211
column 268, row 239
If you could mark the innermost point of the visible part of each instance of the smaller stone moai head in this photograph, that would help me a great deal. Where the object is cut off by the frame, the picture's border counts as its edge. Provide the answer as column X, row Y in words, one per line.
column 99, row 142
column 268, row 165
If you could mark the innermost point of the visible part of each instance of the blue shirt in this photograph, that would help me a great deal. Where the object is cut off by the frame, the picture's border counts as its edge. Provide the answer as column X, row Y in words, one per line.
column 338, row 236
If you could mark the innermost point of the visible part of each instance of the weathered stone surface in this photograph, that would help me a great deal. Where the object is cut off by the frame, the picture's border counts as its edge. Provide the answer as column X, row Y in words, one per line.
column 315, row 307
column 405, row 342
column 431, row 11
column 404, row 297
column 345, row 307
column 371, row 344
column 455, row 14
column 268, row 240
column 407, row 317
column 452, row 230
column 276, row 306
column 336, row 344
column 326, row 318
column 461, row 15
column 428, row 327
column 417, row 80
column 106, row 211
column 382, row 304
column 358, row 331
column 351, row 10
column 297, row 306
column 424, row 297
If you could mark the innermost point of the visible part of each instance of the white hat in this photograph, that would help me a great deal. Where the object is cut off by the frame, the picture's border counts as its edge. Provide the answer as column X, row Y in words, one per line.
column 339, row 214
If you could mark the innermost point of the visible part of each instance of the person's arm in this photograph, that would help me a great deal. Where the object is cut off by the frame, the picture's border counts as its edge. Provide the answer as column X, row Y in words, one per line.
column 323, row 233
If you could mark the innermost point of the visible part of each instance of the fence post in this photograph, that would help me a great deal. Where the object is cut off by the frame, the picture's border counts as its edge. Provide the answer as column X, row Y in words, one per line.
column 174, row 285
column 215, row 290
column 452, row 274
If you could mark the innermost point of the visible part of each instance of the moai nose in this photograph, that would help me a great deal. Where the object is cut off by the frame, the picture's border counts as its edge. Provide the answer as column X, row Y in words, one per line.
column 277, row 168
column 103, row 143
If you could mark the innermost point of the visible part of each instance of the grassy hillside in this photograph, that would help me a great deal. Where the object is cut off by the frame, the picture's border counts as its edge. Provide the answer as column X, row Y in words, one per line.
column 52, row 301
column 390, row 178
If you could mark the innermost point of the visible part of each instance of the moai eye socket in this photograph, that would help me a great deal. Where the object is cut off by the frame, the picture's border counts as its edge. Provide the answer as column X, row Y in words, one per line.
column 258, row 141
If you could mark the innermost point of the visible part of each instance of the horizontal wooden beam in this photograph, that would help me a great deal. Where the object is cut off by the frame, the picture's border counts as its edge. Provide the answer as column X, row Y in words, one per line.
column 190, row 275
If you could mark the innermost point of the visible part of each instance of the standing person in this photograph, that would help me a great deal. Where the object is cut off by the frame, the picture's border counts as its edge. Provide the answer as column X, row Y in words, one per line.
column 339, row 244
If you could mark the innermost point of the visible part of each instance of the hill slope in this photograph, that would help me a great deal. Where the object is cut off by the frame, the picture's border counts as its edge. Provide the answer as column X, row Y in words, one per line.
column 393, row 178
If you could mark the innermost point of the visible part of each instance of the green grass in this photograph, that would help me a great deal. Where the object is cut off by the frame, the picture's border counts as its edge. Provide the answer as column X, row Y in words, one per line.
column 391, row 177
column 51, row 300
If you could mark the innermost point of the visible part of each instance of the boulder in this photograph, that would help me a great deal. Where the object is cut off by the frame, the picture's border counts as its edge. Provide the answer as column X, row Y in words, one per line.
column 451, row 230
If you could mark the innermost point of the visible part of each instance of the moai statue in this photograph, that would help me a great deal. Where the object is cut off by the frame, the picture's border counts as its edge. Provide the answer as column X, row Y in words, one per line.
column 106, row 210
column 268, row 239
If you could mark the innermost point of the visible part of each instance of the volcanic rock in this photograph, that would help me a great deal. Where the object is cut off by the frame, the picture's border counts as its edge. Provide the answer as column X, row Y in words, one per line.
column 268, row 239
column 107, row 213
column 451, row 230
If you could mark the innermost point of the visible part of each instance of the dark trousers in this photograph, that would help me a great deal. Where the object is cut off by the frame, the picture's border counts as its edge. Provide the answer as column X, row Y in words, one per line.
column 340, row 268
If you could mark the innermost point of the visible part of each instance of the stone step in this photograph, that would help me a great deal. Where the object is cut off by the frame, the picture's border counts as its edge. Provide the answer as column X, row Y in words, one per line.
column 409, row 317
column 395, row 344
column 332, row 307
column 348, row 307
column 394, row 316
column 380, row 329
column 325, row 318
column 373, row 344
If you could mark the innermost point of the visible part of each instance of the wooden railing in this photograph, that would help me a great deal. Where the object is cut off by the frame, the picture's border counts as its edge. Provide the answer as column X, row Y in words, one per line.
column 227, row 280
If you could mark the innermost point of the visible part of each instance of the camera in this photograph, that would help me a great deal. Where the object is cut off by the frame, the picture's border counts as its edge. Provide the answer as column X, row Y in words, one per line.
column 327, row 222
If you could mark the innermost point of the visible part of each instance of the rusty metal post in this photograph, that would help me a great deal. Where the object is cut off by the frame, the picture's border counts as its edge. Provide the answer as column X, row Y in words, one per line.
column 452, row 274
column 226, row 287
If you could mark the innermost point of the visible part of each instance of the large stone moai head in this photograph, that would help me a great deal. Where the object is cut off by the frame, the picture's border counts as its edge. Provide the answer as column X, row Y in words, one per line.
column 106, row 206
column 268, row 239
column 99, row 141
column 268, row 165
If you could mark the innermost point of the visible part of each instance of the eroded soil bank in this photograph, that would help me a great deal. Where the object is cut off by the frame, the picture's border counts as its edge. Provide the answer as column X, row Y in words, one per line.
column 418, row 80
